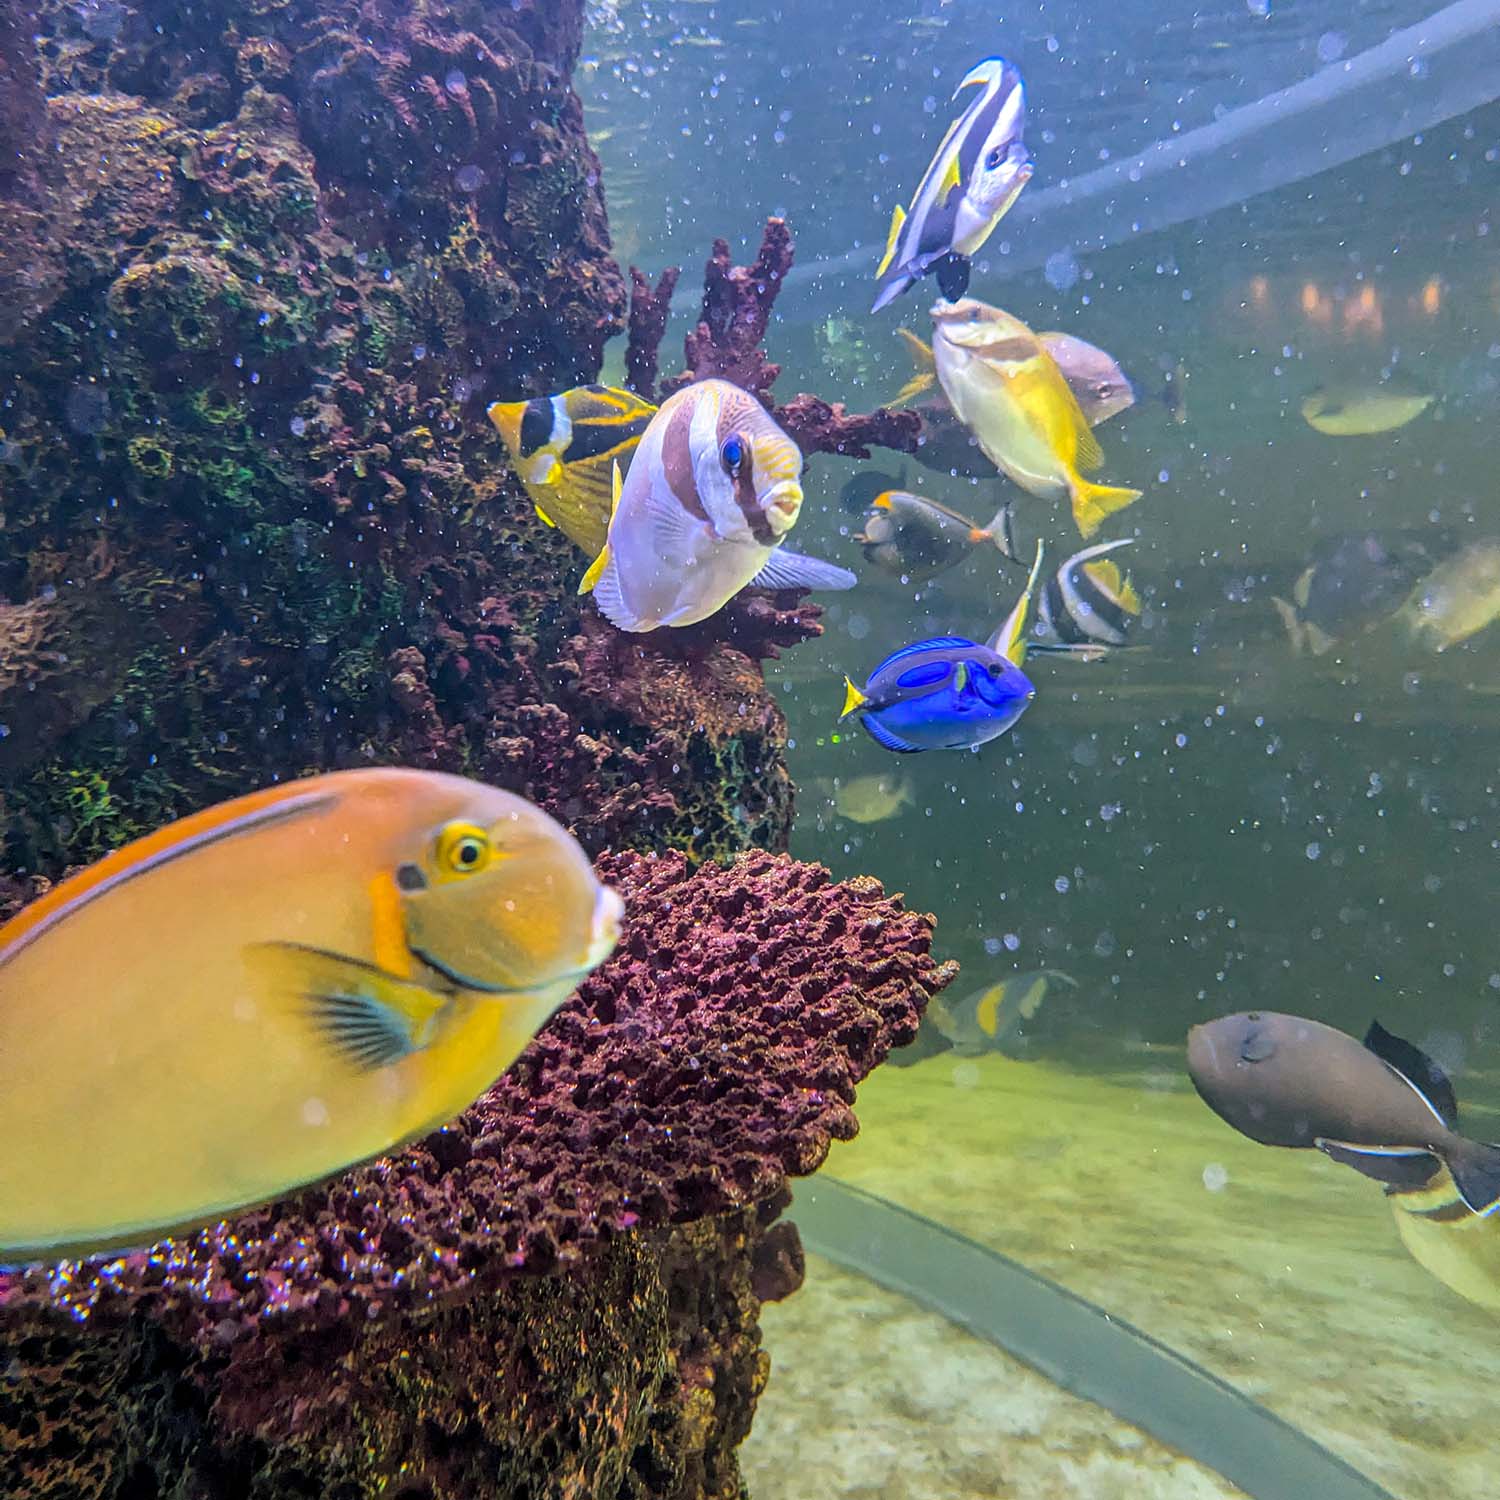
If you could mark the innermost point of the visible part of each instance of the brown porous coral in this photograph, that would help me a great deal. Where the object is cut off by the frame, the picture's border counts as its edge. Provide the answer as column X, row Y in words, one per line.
column 555, row 1296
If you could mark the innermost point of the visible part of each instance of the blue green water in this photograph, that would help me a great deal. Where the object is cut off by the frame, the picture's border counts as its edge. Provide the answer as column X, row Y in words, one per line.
column 1210, row 823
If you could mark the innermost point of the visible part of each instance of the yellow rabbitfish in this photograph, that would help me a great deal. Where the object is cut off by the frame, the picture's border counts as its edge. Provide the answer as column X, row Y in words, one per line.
column 270, row 991
column 1008, row 391
column 564, row 448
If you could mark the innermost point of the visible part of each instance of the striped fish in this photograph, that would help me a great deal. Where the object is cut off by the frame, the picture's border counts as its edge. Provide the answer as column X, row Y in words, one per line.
column 713, row 489
column 978, row 172
column 1088, row 602
column 1447, row 1238
column 564, row 448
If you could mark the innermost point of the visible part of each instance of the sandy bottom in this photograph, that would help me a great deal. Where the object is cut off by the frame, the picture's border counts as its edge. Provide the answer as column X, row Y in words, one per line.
column 1279, row 1271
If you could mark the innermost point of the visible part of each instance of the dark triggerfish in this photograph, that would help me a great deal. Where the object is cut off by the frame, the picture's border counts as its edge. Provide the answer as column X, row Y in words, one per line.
column 1382, row 1107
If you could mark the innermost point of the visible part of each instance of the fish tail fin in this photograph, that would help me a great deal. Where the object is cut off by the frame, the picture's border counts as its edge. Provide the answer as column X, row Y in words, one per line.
column 898, row 218
column 1475, row 1169
column 923, row 364
column 853, row 699
column 1002, row 532
column 1093, row 504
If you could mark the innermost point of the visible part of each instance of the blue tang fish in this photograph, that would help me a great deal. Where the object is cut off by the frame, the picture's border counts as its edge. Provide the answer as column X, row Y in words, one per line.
column 949, row 693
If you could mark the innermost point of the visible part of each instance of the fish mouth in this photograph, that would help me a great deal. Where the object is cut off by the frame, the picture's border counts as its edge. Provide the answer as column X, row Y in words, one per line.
column 781, row 505
column 604, row 934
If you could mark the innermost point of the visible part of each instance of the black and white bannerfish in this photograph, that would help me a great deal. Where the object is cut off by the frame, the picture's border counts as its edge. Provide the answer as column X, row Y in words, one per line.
column 978, row 172
column 1088, row 602
column 714, row 487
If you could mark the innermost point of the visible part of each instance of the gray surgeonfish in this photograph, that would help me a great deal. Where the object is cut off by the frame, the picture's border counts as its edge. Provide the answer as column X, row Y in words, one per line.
column 1088, row 602
column 1381, row 1106
column 976, row 174
column 917, row 538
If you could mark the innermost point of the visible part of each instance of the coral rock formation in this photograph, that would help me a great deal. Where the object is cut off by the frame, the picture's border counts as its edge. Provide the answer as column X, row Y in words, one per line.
column 418, row 1326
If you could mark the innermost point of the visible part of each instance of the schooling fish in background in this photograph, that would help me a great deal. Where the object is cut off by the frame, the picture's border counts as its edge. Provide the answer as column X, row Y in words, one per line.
column 949, row 693
column 1088, row 602
column 978, row 172
column 994, row 1019
column 270, row 991
column 1351, row 583
column 1381, row 1106
column 1457, row 599
column 1008, row 391
column 1361, row 410
column 918, row 538
column 714, row 487
column 564, row 449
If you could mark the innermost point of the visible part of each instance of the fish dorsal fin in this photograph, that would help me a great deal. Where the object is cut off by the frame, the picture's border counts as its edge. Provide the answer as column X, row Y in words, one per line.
column 1417, row 1070
column 987, row 1012
column 898, row 218
column 601, row 562
column 1009, row 640
column 187, row 836
column 1119, row 587
column 936, row 643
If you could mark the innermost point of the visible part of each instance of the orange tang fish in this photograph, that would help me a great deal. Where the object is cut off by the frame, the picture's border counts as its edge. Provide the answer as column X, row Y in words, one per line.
column 261, row 995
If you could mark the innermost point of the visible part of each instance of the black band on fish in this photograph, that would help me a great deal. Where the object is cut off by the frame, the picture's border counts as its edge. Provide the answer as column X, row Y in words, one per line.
column 536, row 426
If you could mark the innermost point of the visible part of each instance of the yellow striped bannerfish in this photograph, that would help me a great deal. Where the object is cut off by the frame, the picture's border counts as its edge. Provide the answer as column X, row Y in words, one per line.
column 263, row 994
column 564, row 448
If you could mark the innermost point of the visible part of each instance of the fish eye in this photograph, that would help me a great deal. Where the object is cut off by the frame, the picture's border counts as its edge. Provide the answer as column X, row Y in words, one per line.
column 993, row 160
column 464, row 849
column 733, row 453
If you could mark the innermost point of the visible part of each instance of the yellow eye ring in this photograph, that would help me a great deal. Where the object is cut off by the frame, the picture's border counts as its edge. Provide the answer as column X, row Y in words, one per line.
column 464, row 849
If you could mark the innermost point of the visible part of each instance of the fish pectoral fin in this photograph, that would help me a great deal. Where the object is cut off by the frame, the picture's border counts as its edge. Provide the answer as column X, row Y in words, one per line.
column 543, row 516
column 952, row 273
column 898, row 218
column 1417, row 1071
column 369, row 1017
column 791, row 570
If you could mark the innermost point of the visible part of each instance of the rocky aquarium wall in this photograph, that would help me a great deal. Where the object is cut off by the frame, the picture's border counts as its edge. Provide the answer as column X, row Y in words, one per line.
column 263, row 263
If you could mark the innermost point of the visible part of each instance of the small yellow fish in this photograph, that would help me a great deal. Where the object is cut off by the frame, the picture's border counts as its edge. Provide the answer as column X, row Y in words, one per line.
column 871, row 799
column 564, row 447
column 1456, row 600
column 1008, row 391
column 264, row 994
column 713, row 490
column 1359, row 410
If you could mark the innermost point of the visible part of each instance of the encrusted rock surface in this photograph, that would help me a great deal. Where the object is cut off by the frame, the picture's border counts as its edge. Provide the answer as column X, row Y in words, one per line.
column 645, row 1138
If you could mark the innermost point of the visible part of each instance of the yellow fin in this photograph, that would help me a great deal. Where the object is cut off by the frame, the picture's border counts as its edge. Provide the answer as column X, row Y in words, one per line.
column 1106, row 573
column 1009, row 640
column 987, row 1012
column 853, row 699
column 601, row 562
column 365, row 1015
column 924, row 368
column 544, row 516
column 1094, row 503
column 951, row 178
column 898, row 218
column 1090, row 455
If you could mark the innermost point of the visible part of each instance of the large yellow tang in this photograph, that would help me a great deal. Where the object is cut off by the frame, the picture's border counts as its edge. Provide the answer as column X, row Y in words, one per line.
column 265, row 993
column 1008, row 391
